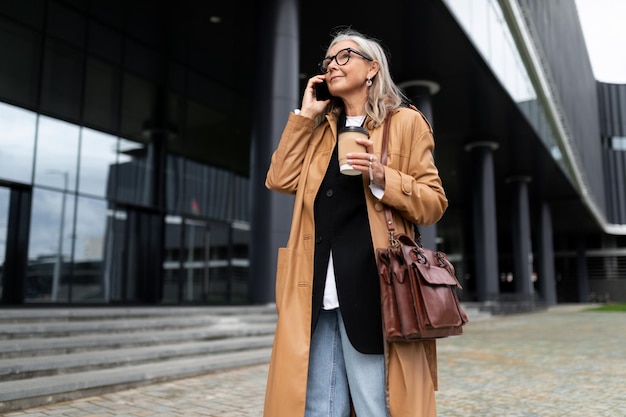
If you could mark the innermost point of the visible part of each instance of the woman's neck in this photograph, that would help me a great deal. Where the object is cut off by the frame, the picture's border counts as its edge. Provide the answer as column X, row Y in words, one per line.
column 355, row 107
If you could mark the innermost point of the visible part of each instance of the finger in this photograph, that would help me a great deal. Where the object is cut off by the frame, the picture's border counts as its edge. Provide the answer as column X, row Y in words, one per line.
column 359, row 156
column 369, row 145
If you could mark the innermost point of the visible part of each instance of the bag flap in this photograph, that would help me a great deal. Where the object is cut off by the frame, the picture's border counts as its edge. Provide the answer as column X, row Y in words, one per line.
column 436, row 275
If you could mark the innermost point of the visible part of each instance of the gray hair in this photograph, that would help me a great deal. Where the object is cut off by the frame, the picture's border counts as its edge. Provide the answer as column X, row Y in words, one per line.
column 383, row 95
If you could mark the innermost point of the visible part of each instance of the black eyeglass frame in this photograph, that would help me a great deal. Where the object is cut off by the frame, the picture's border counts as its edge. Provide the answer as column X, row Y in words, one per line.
column 324, row 67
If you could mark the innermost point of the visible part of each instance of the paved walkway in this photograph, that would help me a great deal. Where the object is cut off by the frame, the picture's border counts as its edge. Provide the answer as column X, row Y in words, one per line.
column 560, row 362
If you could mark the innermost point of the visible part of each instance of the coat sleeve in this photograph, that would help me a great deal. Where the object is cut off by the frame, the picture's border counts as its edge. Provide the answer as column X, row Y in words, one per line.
column 412, row 183
column 287, row 160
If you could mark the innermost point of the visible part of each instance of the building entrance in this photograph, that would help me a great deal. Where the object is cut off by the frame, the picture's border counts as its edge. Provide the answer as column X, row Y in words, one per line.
column 133, row 248
column 187, row 260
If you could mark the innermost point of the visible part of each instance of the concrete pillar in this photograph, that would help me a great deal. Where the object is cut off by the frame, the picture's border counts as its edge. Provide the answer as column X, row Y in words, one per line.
column 521, row 235
column 159, row 133
column 16, row 249
column 484, row 220
column 277, row 94
column 420, row 93
column 545, row 251
column 582, row 273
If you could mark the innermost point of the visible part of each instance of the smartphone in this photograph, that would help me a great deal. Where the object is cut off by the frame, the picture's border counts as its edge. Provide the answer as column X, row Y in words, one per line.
column 321, row 91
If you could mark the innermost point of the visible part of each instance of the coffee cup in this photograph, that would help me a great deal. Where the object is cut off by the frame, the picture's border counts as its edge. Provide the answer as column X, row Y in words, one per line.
column 347, row 143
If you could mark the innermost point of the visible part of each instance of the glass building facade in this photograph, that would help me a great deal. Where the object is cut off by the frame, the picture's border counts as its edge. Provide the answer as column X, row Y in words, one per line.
column 135, row 137
column 111, row 162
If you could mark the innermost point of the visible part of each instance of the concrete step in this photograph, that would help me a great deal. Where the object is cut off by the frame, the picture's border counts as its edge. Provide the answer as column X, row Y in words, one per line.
column 15, row 395
column 18, row 368
column 39, row 315
column 78, row 326
column 31, row 346
column 50, row 355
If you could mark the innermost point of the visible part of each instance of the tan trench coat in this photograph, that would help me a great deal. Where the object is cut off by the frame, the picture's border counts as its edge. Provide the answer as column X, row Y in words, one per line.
column 413, row 188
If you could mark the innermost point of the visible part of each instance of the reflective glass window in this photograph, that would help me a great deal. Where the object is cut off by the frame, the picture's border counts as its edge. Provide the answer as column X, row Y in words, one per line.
column 175, row 177
column 196, row 185
column 132, row 175
column 103, row 41
column 220, row 262
column 98, row 155
column 241, row 203
column 240, row 262
column 88, row 281
column 62, row 81
column 102, row 92
column 207, row 191
column 66, row 24
column 172, row 264
column 28, row 12
column 19, row 72
column 50, row 246
column 241, row 241
column 485, row 25
column 17, row 143
column 57, row 154
column 196, row 271
column 187, row 266
column 142, row 60
column 116, row 252
column 138, row 97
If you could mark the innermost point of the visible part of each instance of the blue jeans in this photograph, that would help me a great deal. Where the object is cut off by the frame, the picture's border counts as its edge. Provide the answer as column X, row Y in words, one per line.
column 338, row 372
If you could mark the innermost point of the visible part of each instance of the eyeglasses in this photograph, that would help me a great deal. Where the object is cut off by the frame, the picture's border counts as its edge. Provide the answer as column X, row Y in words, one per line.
column 342, row 57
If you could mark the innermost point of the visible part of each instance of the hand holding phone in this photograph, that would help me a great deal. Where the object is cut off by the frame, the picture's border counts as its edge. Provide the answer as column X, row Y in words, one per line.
column 321, row 91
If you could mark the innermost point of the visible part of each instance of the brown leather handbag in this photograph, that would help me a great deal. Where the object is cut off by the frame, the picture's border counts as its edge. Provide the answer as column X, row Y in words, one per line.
column 418, row 285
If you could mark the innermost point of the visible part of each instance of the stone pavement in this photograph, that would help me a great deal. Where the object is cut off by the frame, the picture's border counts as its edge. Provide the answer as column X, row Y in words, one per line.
column 560, row 362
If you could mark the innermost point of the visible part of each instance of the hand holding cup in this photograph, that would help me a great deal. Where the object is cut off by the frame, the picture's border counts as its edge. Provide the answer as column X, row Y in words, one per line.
column 347, row 143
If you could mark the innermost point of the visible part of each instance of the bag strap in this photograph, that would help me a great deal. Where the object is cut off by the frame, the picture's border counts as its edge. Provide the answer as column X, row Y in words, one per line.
column 391, row 229
column 383, row 154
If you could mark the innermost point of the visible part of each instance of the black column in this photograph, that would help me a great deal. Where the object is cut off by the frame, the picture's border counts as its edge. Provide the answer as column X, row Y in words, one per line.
column 151, row 223
column 420, row 93
column 16, row 252
column 520, row 233
column 159, row 132
column 582, row 273
column 484, row 220
column 277, row 94
column 545, row 252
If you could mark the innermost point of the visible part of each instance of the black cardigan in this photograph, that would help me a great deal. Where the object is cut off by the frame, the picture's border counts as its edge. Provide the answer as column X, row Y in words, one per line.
column 341, row 225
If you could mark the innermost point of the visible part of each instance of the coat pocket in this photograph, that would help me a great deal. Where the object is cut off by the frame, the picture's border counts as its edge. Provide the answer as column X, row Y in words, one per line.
column 294, row 272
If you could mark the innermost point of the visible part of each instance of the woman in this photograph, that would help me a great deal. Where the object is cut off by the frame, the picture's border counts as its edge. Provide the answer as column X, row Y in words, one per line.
column 329, row 355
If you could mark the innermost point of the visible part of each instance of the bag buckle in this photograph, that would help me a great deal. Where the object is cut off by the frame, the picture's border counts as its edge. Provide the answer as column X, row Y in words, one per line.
column 392, row 239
